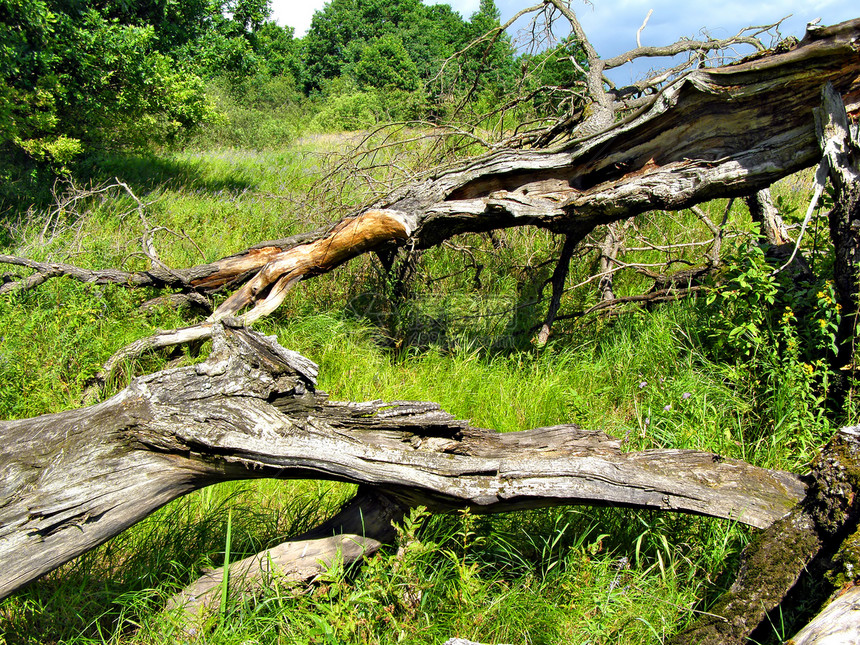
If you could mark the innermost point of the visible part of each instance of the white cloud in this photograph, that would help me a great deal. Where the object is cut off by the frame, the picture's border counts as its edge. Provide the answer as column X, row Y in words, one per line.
column 295, row 14
column 298, row 13
column 612, row 24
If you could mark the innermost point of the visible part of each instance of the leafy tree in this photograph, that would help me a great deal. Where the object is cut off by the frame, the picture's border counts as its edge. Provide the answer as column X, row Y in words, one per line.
column 279, row 50
column 555, row 70
column 385, row 64
column 74, row 77
column 250, row 14
column 490, row 64
column 341, row 31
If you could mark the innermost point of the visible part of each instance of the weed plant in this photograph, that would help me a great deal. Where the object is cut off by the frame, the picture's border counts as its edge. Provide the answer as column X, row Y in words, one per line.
column 741, row 371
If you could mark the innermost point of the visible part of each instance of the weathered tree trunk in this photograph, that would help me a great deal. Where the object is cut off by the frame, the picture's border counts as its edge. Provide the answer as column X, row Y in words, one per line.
column 717, row 132
column 842, row 153
column 72, row 480
column 837, row 624
column 765, row 213
column 820, row 535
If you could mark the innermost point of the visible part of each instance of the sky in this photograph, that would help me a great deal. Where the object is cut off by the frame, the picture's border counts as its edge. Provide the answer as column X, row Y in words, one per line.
column 611, row 24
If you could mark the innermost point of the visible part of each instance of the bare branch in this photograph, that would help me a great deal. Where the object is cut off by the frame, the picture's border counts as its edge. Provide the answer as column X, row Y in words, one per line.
column 639, row 31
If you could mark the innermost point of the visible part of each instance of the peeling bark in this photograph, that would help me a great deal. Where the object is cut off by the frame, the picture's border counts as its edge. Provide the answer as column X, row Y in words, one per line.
column 718, row 132
column 73, row 480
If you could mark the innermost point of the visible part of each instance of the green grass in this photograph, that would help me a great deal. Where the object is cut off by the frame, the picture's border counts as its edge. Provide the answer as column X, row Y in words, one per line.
column 577, row 575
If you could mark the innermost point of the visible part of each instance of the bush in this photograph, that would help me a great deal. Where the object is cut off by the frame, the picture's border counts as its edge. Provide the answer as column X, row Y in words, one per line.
column 263, row 112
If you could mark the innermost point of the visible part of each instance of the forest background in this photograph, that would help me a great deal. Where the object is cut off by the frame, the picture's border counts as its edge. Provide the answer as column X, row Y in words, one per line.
column 225, row 130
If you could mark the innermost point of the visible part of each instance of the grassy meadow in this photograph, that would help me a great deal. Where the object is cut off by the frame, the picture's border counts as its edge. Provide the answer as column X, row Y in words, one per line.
column 740, row 370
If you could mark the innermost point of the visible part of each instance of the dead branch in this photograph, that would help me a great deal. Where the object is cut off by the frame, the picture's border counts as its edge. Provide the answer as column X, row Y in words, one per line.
column 800, row 544
column 74, row 479
column 559, row 277
column 356, row 532
column 731, row 143
column 841, row 149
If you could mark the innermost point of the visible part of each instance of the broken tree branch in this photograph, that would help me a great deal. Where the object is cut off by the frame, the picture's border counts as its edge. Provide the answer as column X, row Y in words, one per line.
column 800, row 544
column 73, row 480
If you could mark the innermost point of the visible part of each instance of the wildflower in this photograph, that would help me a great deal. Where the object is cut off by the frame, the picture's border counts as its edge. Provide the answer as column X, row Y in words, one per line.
column 820, row 295
column 685, row 396
column 642, row 384
column 808, row 369
column 668, row 407
column 822, row 322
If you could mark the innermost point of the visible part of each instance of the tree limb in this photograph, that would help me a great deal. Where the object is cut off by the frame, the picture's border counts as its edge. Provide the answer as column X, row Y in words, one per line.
column 73, row 480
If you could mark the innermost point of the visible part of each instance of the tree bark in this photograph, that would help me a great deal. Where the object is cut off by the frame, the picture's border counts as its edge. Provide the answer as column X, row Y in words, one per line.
column 74, row 479
column 842, row 153
column 719, row 132
column 820, row 535
column 765, row 213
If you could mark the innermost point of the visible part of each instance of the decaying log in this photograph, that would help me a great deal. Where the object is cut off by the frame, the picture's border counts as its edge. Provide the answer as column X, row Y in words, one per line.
column 74, row 479
column 837, row 624
column 356, row 532
column 820, row 534
column 718, row 132
column 721, row 132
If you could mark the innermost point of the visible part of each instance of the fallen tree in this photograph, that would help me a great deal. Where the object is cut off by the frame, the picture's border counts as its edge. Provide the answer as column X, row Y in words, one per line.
column 74, row 479
column 77, row 478
column 721, row 132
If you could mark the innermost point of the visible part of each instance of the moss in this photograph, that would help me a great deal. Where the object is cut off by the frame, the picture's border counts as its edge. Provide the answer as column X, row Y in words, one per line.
column 770, row 567
column 846, row 562
column 777, row 558
column 836, row 473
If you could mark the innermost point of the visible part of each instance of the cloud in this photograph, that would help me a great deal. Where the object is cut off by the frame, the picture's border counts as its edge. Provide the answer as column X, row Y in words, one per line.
column 298, row 14
column 611, row 24
column 289, row 13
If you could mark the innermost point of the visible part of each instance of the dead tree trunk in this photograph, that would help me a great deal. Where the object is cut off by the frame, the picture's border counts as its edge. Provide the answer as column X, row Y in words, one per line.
column 765, row 213
column 842, row 154
column 711, row 133
column 72, row 480
column 817, row 540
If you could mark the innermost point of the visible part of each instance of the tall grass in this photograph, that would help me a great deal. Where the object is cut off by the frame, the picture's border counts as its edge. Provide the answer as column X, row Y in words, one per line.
column 579, row 575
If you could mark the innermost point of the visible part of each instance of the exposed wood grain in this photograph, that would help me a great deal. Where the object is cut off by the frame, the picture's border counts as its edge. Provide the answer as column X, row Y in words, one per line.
column 837, row 624
column 720, row 132
column 74, row 479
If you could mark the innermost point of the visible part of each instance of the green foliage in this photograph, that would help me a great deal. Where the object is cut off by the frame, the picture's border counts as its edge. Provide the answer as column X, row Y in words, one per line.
column 489, row 64
column 263, row 112
column 343, row 28
column 385, row 64
column 776, row 338
column 555, row 72
column 349, row 111
column 78, row 78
